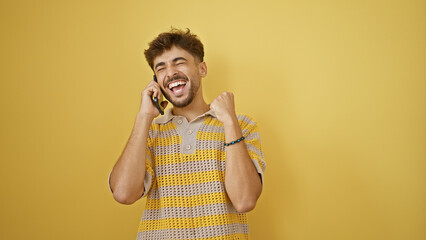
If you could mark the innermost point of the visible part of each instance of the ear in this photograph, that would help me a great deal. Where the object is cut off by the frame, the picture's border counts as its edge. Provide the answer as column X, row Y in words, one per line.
column 202, row 68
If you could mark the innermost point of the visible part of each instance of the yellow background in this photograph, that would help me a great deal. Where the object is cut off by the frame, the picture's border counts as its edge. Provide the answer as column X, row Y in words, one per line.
column 338, row 89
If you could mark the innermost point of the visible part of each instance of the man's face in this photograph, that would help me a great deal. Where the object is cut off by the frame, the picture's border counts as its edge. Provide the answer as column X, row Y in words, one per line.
column 179, row 75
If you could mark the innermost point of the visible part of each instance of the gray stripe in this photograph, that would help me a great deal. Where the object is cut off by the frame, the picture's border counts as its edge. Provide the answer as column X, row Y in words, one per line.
column 254, row 149
column 263, row 165
column 211, row 144
column 153, row 134
column 245, row 131
column 165, row 150
column 191, row 233
column 253, row 135
column 187, row 190
column 147, row 182
column 200, row 145
column 189, row 167
column 246, row 119
column 211, row 128
column 188, row 212
column 204, row 127
column 148, row 157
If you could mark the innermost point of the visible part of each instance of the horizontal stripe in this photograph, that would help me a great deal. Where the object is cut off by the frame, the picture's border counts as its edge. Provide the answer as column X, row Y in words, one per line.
column 212, row 122
column 243, row 122
column 254, row 149
column 263, row 165
column 259, row 165
column 253, row 136
column 228, row 231
column 166, row 141
column 245, row 118
column 211, row 144
column 185, row 212
column 203, row 130
column 211, row 128
column 191, row 201
column 190, row 167
column 199, row 155
column 247, row 129
column 199, row 144
column 197, row 222
column 214, row 136
column 167, row 149
column 253, row 155
column 190, row 178
column 202, row 135
column 188, row 190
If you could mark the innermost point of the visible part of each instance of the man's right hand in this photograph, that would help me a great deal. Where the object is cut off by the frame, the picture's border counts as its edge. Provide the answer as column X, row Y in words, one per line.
column 148, row 108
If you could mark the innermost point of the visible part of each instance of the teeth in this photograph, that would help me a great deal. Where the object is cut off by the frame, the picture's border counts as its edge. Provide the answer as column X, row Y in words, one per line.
column 175, row 84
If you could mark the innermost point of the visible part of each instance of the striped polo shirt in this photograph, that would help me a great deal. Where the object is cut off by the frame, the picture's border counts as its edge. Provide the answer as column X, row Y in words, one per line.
column 185, row 179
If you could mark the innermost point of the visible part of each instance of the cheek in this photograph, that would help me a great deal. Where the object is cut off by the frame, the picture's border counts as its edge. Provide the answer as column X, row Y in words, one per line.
column 160, row 77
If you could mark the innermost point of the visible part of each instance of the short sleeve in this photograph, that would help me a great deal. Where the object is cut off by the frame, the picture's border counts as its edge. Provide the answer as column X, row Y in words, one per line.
column 250, row 131
column 149, row 172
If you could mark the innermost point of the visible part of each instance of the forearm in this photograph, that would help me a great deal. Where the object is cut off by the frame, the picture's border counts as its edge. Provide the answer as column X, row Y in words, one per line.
column 128, row 174
column 242, row 182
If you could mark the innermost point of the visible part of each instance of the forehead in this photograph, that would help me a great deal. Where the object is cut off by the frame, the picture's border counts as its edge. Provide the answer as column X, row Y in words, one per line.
column 172, row 53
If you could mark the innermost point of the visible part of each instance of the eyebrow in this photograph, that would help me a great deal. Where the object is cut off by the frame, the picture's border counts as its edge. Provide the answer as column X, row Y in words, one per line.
column 174, row 61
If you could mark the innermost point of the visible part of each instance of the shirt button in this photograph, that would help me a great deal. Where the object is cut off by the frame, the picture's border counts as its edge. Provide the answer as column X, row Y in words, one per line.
column 187, row 147
column 189, row 132
column 179, row 121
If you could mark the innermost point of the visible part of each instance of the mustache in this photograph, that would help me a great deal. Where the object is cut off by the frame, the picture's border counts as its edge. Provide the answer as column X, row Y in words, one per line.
column 175, row 77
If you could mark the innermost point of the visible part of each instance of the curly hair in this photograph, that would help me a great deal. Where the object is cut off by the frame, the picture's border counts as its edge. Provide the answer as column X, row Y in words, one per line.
column 175, row 37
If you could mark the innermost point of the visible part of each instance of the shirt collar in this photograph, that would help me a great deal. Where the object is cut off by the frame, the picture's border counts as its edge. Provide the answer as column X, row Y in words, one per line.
column 168, row 116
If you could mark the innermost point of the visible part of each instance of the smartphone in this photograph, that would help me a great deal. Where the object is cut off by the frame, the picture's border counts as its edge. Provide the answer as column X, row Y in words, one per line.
column 157, row 102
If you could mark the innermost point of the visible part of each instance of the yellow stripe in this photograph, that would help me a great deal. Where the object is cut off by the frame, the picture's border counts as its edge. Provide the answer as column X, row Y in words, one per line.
column 149, row 153
column 245, row 125
column 255, row 142
column 187, row 201
column 190, row 178
column 253, row 154
column 199, row 155
column 196, row 222
column 213, row 122
column 210, row 136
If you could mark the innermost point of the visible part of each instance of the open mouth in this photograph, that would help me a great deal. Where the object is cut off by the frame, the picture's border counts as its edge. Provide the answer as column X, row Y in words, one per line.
column 176, row 86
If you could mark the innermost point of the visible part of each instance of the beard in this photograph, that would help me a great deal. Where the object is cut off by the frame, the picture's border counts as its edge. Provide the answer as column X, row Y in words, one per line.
column 191, row 95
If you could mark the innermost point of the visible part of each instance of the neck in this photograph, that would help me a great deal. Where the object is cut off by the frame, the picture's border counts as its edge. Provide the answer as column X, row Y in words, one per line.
column 197, row 107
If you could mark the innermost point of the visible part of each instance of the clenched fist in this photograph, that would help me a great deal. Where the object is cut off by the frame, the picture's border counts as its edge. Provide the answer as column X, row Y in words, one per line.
column 224, row 108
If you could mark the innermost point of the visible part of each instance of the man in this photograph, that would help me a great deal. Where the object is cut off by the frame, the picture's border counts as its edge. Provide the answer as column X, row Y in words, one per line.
column 201, row 166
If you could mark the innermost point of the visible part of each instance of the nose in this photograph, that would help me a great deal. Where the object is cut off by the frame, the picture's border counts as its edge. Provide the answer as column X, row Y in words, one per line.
column 171, row 71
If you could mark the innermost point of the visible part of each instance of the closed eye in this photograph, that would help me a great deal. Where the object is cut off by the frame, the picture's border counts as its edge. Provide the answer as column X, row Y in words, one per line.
column 179, row 60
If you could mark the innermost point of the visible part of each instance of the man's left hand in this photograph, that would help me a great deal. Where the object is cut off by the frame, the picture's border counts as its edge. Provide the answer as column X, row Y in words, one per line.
column 224, row 108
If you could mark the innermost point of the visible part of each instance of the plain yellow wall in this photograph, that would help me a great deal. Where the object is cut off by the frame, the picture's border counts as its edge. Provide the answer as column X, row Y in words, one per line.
column 338, row 89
